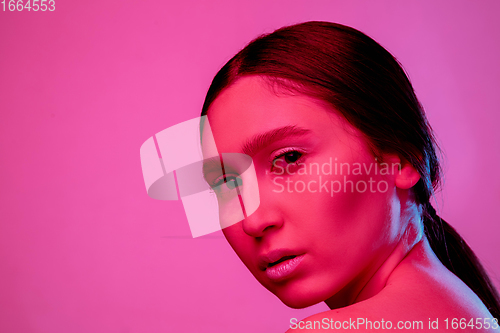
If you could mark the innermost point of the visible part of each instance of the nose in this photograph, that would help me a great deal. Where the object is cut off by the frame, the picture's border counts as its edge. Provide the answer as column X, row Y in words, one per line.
column 266, row 218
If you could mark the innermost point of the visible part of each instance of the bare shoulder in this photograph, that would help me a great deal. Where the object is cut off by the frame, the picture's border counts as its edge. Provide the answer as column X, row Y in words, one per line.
column 415, row 299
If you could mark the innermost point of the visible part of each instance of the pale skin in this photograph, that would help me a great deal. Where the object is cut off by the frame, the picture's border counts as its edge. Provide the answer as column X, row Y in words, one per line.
column 364, row 254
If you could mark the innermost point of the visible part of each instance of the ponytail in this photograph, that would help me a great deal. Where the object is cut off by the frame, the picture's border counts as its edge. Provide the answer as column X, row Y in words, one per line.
column 457, row 256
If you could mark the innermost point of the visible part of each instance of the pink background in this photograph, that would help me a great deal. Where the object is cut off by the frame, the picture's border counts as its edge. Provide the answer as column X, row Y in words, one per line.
column 83, row 248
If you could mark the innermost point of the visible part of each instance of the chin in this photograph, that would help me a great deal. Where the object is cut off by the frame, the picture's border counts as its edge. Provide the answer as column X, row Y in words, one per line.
column 298, row 303
column 299, row 298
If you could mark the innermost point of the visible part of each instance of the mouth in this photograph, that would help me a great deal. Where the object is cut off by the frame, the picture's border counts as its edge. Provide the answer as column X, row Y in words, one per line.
column 279, row 264
column 280, row 261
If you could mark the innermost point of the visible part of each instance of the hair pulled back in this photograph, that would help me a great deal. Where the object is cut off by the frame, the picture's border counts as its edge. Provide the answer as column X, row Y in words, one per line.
column 364, row 83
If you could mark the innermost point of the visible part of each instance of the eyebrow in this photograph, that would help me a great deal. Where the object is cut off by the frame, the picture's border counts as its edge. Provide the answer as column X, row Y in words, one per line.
column 259, row 141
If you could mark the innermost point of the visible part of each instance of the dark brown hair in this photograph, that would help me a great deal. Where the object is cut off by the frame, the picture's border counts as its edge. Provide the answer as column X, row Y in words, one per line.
column 366, row 84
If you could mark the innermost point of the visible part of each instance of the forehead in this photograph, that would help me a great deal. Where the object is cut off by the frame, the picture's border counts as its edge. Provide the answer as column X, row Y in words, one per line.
column 250, row 107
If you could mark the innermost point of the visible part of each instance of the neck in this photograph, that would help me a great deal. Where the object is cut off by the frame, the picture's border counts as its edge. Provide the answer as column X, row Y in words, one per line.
column 377, row 280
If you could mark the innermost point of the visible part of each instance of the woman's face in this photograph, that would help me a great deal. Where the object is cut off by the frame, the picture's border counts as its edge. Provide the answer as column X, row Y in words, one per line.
column 328, row 214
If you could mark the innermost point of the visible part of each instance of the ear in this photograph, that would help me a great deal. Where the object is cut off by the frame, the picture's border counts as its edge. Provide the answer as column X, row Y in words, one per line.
column 404, row 174
column 407, row 176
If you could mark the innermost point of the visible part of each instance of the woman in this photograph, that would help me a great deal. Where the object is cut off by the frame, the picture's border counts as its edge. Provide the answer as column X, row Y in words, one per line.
column 346, row 165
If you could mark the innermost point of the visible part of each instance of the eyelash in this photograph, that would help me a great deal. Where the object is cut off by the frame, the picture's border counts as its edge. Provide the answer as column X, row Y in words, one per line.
column 220, row 180
column 283, row 152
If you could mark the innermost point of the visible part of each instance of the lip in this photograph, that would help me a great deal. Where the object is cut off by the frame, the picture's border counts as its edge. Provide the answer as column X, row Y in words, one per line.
column 279, row 271
column 283, row 270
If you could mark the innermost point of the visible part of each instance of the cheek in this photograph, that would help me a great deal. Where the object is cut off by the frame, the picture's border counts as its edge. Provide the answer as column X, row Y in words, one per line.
column 349, row 223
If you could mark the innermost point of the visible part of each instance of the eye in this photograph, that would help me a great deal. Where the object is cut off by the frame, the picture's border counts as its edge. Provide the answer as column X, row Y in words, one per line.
column 287, row 158
column 291, row 157
column 225, row 184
